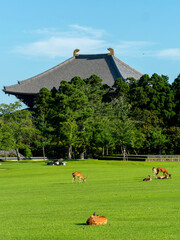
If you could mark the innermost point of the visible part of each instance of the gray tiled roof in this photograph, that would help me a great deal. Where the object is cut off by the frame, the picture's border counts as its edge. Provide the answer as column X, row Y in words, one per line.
column 107, row 67
column 125, row 70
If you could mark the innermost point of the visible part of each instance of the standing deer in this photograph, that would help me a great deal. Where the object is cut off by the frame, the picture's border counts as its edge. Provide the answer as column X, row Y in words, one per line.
column 78, row 175
column 164, row 171
column 148, row 179
column 154, row 171
column 96, row 220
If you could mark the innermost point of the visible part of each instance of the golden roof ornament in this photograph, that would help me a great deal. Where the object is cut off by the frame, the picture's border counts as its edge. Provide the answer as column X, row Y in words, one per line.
column 111, row 50
column 75, row 53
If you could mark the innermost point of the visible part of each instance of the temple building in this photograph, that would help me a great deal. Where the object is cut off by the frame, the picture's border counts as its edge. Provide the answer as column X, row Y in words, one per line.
column 106, row 66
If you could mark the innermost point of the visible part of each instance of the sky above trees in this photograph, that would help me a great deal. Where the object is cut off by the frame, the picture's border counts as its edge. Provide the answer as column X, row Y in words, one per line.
column 38, row 35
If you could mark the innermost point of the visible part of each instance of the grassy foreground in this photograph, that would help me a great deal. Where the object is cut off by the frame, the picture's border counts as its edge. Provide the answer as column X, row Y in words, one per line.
column 40, row 202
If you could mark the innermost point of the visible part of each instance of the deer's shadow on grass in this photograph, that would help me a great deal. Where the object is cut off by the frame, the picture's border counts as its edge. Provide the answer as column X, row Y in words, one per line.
column 62, row 183
column 81, row 224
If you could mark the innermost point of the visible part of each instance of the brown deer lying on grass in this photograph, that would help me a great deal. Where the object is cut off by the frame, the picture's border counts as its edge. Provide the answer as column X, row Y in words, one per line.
column 96, row 220
column 148, row 179
column 163, row 177
column 164, row 171
column 78, row 175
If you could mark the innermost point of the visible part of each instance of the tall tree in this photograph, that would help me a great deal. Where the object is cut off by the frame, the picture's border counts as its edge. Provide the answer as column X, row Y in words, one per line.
column 43, row 104
column 123, row 126
column 176, row 90
column 16, row 127
column 69, row 112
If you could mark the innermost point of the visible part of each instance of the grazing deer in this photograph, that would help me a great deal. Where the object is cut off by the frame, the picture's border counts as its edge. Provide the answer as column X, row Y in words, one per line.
column 163, row 177
column 78, row 175
column 154, row 171
column 96, row 220
column 164, row 171
column 148, row 179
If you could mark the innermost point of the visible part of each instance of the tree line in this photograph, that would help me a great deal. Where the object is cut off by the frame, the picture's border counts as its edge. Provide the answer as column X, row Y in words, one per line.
column 86, row 118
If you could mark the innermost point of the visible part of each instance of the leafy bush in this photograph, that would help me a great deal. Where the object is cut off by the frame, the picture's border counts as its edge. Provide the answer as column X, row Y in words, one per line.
column 27, row 152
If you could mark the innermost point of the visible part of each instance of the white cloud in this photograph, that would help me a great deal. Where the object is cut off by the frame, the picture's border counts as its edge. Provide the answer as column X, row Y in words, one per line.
column 170, row 54
column 60, row 47
column 62, row 44
column 55, row 43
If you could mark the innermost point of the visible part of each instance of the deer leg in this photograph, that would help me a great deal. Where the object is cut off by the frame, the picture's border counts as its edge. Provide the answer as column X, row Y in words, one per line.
column 73, row 180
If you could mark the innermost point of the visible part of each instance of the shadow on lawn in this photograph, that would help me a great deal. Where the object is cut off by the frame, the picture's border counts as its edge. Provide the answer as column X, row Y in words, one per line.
column 80, row 224
column 65, row 183
column 60, row 183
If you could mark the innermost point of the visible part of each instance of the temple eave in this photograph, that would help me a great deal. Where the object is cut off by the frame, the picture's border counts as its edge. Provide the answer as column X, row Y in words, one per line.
column 27, row 98
column 18, row 93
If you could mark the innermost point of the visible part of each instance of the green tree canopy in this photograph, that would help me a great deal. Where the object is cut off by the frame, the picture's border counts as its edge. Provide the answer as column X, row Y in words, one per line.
column 16, row 127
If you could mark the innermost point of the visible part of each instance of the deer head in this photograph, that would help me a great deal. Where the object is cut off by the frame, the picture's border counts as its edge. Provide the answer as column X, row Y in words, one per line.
column 84, row 180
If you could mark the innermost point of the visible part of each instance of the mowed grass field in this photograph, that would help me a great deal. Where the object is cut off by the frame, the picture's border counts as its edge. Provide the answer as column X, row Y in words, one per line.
column 38, row 201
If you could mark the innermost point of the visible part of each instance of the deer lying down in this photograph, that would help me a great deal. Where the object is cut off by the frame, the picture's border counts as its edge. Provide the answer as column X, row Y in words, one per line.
column 96, row 220
column 78, row 175
column 148, row 179
column 163, row 177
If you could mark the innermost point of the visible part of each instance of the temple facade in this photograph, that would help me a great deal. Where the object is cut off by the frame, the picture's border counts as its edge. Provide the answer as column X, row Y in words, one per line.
column 106, row 66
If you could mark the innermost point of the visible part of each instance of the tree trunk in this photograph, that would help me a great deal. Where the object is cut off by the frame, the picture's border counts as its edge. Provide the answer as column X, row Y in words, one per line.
column 5, row 153
column 70, row 152
column 82, row 155
column 123, row 149
column 44, row 155
column 107, row 151
column 135, row 151
column 103, row 151
column 17, row 154
column 160, row 152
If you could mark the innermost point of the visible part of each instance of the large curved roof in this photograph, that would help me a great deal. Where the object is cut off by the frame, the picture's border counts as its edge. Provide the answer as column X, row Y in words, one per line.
column 107, row 67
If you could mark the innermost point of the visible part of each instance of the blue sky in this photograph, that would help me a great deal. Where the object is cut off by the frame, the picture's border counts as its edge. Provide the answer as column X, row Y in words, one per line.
column 37, row 35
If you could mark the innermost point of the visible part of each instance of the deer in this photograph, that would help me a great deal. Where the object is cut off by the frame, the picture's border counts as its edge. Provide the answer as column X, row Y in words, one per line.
column 164, row 171
column 148, row 179
column 163, row 177
column 96, row 220
column 78, row 175
column 154, row 171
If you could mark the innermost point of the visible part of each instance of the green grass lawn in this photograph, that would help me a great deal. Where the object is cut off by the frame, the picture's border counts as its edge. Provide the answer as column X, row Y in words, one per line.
column 40, row 202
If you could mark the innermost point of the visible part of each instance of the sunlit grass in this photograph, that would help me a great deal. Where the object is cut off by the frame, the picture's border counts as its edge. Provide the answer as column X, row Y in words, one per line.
column 40, row 202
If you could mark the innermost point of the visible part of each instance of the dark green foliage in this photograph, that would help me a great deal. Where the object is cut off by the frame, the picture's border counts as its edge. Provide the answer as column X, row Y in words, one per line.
column 153, row 94
column 16, row 127
column 86, row 118
column 90, row 119
column 27, row 152
column 121, row 88
column 176, row 91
